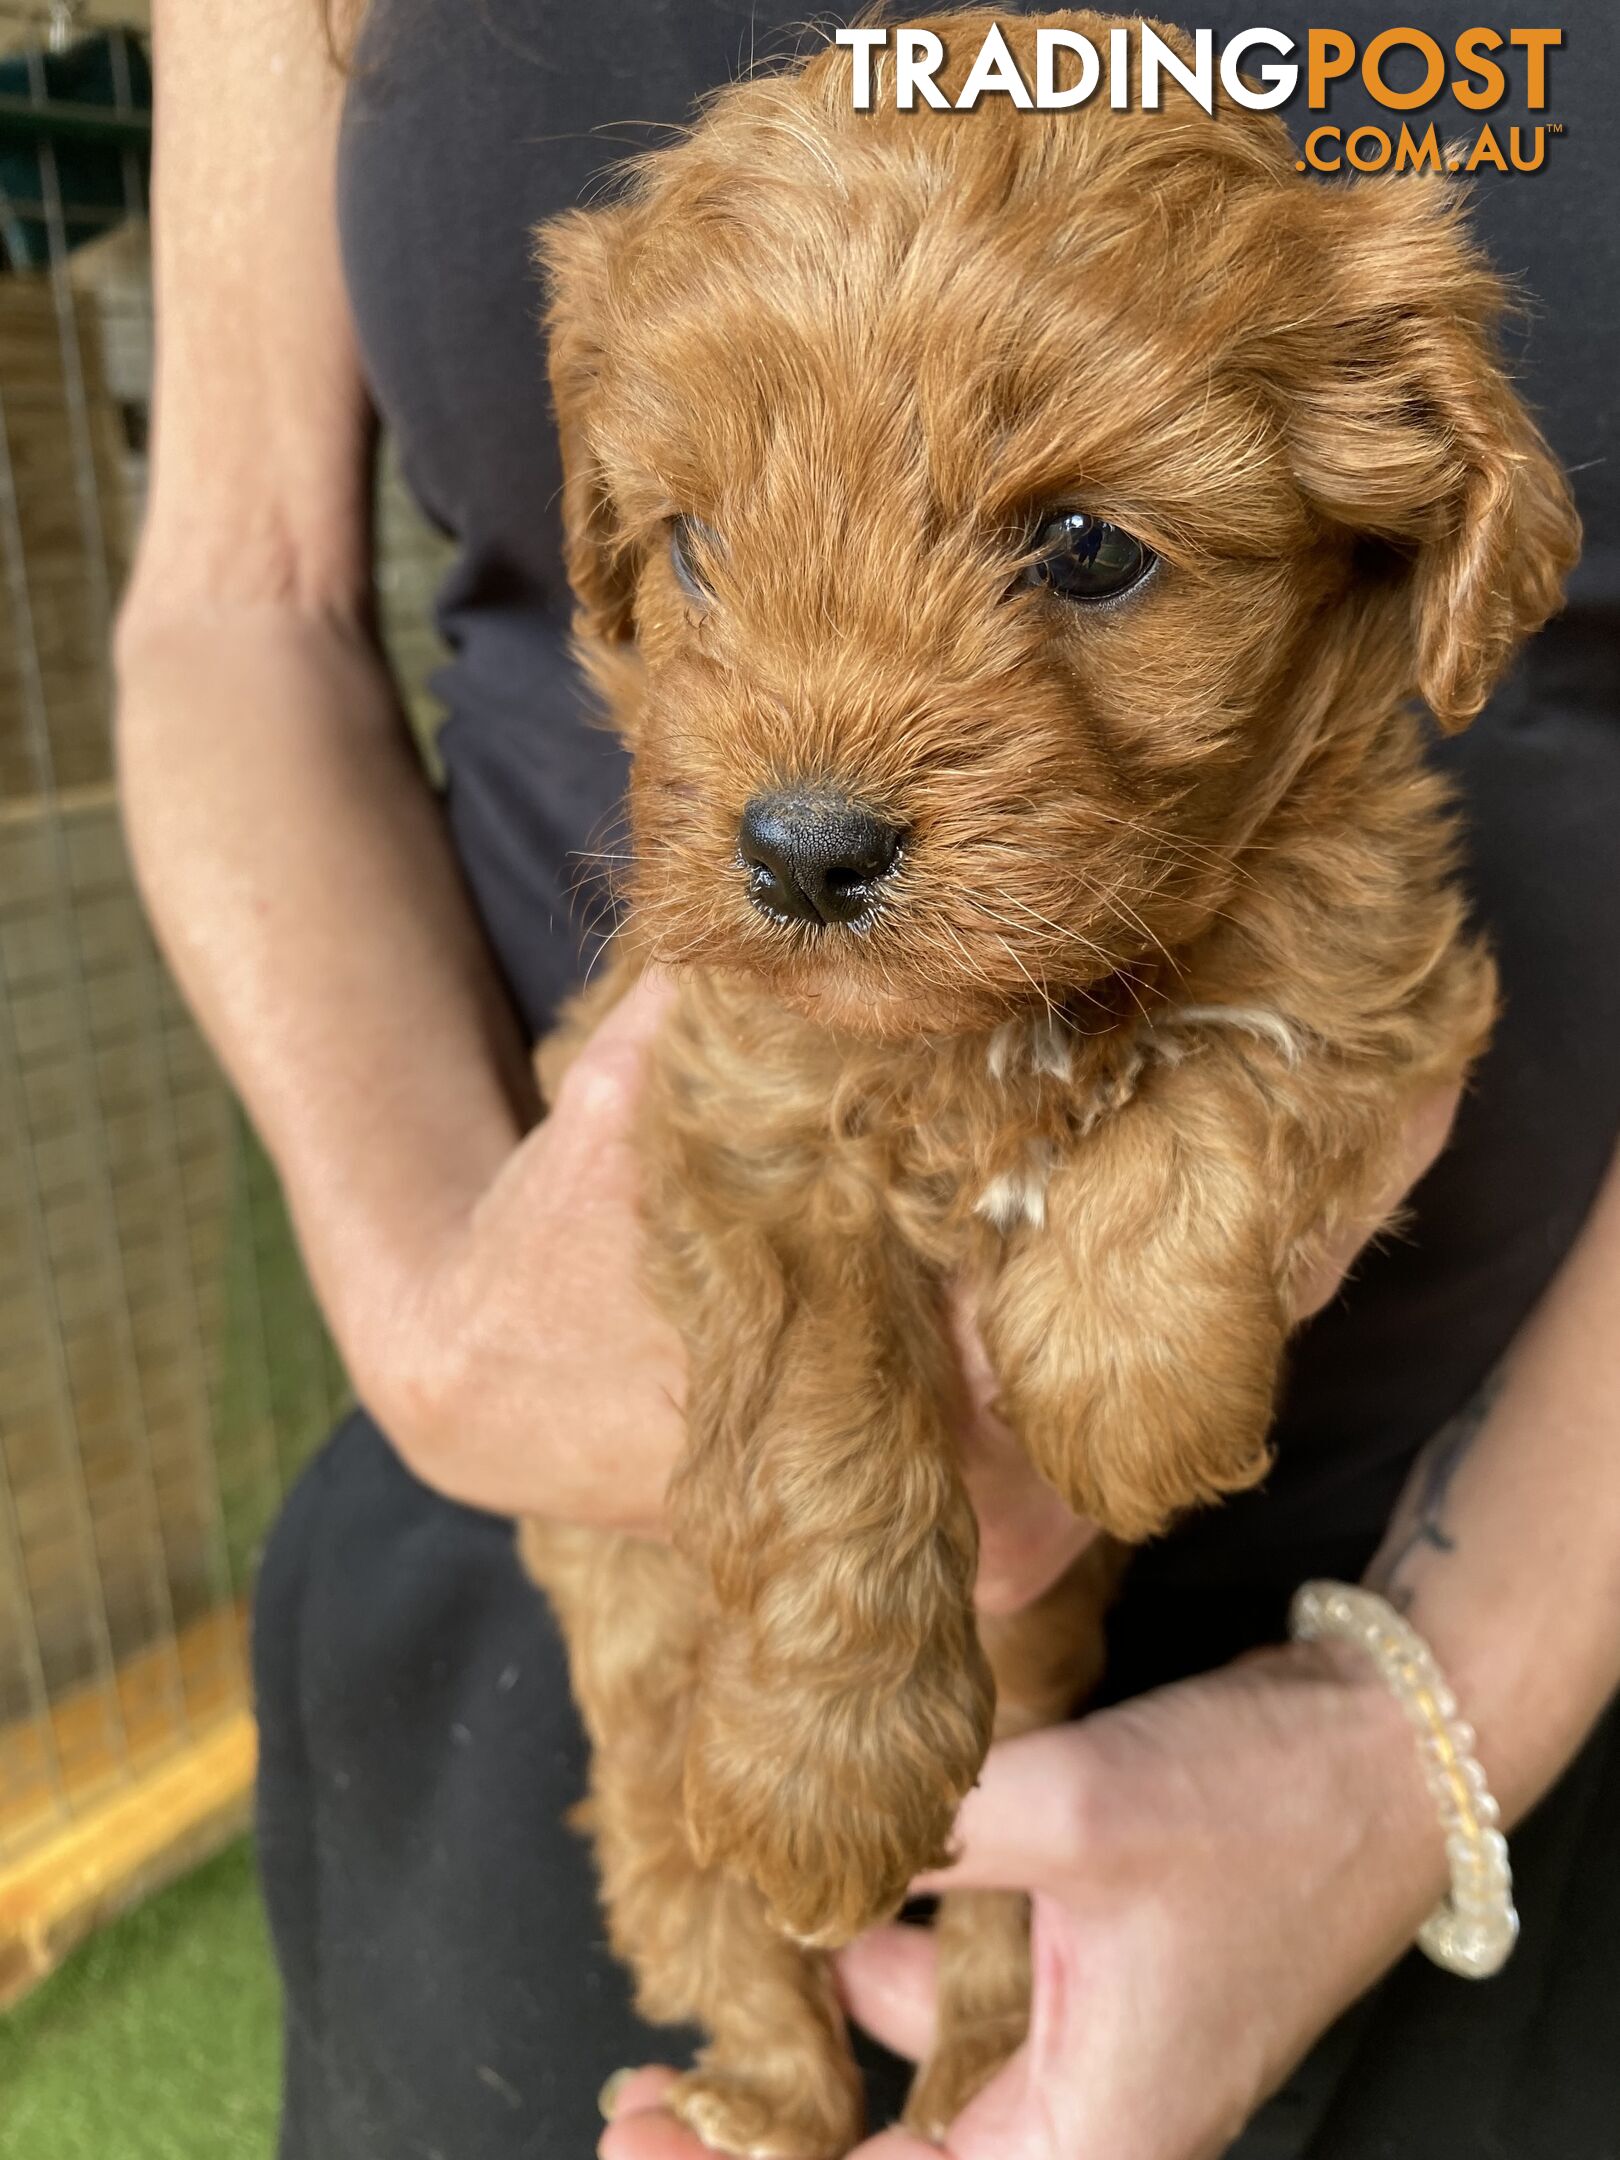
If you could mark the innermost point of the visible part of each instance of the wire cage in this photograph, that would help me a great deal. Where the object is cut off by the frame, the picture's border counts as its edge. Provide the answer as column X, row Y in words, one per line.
column 163, row 1370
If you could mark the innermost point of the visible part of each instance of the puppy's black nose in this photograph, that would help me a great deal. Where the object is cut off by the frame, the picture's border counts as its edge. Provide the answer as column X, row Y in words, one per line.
column 815, row 857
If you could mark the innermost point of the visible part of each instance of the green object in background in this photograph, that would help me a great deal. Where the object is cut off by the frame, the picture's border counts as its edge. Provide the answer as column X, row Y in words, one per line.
column 159, row 2040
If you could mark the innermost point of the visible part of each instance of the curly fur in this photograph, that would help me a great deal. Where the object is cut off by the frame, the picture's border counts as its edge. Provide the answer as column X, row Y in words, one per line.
column 1173, row 946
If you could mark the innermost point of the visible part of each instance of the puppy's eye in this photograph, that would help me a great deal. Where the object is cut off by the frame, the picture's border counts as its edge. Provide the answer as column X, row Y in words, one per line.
column 1085, row 558
column 690, row 542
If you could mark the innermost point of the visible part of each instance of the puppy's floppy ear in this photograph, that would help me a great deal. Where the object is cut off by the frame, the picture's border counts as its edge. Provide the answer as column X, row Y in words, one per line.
column 575, row 253
column 1407, row 431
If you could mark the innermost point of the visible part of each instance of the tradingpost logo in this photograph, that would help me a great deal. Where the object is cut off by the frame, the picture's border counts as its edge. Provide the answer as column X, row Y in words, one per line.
column 1258, row 69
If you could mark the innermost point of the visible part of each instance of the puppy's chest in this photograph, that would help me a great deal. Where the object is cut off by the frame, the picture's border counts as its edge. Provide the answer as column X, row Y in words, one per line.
column 991, row 1128
column 953, row 1143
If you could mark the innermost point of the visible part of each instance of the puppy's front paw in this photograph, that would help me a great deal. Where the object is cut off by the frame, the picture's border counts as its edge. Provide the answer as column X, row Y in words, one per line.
column 828, row 1860
column 776, row 2109
column 830, row 1804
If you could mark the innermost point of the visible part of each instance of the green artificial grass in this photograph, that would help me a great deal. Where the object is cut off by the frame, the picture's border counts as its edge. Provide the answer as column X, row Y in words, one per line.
column 158, row 2040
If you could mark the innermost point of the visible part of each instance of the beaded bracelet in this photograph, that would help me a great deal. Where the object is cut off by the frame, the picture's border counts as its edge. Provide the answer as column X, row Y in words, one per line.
column 1471, row 1932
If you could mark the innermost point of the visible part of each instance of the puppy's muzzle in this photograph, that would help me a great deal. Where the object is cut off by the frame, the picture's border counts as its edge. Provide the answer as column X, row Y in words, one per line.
column 815, row 857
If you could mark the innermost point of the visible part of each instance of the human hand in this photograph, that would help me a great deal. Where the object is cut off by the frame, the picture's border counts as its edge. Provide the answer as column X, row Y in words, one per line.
column 1217, row 1870
column 528, row 1372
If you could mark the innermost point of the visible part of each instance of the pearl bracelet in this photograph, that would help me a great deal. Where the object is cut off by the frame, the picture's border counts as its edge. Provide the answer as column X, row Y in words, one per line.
column 1471, row 1932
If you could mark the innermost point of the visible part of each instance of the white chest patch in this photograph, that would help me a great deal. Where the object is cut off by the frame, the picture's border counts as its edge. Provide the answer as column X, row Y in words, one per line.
column 1042, row 1045
column 1018, row 1196
column 1248, row 1019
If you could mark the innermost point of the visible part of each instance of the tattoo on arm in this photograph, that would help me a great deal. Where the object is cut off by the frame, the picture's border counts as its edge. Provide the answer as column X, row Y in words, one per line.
column 1419, row 1522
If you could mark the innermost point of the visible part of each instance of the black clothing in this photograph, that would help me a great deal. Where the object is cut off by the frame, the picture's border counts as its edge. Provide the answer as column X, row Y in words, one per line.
column 446, row 1988
column 449, row 1995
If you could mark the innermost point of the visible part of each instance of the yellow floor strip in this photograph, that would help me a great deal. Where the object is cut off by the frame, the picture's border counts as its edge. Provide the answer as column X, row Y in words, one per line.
column 119, row 1851
column 137, row 1814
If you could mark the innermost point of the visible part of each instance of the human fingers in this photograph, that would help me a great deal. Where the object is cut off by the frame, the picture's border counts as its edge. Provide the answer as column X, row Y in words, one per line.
column 887, row 1981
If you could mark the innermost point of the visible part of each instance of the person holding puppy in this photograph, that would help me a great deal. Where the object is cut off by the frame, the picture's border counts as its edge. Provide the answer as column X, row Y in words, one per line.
column 1223, row 1861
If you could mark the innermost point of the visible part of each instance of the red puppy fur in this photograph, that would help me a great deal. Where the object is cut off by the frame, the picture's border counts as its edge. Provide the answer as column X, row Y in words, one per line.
column 1134, row 1018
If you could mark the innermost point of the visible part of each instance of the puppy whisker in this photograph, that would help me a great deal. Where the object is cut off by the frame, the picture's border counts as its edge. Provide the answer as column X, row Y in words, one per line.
column 1072, row 936
column 1122, row 911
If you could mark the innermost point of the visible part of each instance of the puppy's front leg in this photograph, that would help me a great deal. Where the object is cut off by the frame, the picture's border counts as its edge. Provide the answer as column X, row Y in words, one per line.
column 1137, row 1332
column 843, row 1706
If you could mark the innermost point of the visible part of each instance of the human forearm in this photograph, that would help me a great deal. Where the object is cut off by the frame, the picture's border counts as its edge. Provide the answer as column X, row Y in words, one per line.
column 297, row 871
column 1506, row 1548
column 288, row 848
column 297, row 868
column 480, row 1279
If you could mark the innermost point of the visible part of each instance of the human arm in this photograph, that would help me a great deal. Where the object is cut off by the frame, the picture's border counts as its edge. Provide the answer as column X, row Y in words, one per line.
column 1222, row 1867
column 295, row 863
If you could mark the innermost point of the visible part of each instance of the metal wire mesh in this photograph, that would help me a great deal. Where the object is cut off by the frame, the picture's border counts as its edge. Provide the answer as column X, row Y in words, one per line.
column 162, row 1367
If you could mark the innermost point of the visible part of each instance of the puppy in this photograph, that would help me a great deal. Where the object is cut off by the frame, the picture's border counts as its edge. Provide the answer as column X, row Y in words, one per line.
column 1010, row 543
